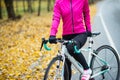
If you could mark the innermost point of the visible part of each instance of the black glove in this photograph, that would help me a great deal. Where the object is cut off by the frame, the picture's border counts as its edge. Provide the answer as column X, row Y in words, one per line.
column 52, row 39
column 89, row 34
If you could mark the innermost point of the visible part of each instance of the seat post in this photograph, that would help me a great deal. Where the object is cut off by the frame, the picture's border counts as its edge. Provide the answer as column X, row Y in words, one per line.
column 90, row 42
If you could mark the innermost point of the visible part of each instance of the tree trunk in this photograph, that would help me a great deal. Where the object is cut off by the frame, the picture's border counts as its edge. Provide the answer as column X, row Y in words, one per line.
column 10, row 9
column 29, row 6
column 91, row 1
column 48, row 5
column 17, row 6
column 39, row 8
column 0, row 9
column 24, row 6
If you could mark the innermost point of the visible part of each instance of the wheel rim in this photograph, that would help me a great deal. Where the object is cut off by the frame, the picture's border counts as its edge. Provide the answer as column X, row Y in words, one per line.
column 56, row 71
column 109, row 57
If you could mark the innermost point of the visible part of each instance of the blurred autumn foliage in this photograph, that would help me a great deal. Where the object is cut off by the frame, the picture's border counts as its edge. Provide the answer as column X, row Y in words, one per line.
column 20, row 41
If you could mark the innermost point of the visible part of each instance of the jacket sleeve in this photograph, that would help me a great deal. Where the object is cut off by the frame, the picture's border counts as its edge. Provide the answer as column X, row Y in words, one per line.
column 86, row 14
column 56, row 19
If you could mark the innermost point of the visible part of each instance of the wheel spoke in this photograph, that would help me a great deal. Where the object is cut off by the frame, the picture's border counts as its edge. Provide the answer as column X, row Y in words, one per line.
column 110, row 57
column 98, row 62
column 111, row 76
column 97, row 67
column 105, row 55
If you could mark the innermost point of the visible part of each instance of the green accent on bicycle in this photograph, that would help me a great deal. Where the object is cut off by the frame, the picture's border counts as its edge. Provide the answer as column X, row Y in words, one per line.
column 103, row 61
column 76, row 50
column 104, row 71
column 101, row 72
column 46, row 47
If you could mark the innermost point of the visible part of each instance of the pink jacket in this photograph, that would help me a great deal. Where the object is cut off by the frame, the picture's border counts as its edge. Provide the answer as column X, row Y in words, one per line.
column 74, row 14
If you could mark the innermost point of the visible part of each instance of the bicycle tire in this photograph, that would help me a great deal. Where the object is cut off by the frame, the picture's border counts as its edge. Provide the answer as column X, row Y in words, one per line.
column 53, row 61
column 114, row 66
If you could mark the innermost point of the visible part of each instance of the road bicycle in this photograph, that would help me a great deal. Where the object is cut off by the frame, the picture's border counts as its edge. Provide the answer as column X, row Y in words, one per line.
column 104, row 61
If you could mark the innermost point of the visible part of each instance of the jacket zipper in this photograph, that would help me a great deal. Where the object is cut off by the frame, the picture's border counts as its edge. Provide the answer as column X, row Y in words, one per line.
column 72, row 16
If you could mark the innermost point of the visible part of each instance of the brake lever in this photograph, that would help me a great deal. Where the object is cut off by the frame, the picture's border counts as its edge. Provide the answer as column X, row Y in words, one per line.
column 43, row 41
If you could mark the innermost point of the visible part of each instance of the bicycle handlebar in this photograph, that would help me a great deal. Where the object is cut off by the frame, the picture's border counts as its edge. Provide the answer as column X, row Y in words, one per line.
column 44, row 42
column 58, row 40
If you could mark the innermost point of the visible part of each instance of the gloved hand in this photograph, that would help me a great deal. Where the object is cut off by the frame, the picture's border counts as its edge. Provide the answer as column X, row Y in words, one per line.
column 52, row 39
column 89, row 34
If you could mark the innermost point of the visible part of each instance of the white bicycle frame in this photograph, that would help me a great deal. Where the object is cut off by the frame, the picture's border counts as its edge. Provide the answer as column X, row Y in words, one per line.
column 78, row 65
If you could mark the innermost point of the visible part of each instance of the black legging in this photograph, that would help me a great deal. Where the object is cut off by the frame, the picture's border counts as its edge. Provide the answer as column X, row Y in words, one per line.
column 80, row 39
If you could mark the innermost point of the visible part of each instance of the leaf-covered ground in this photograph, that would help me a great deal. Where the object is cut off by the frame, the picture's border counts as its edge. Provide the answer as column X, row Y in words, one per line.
column 20, row 41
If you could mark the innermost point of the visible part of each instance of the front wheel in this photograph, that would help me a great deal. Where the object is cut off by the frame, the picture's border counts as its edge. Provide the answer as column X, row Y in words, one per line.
column 109, row 56
column 55, row 70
